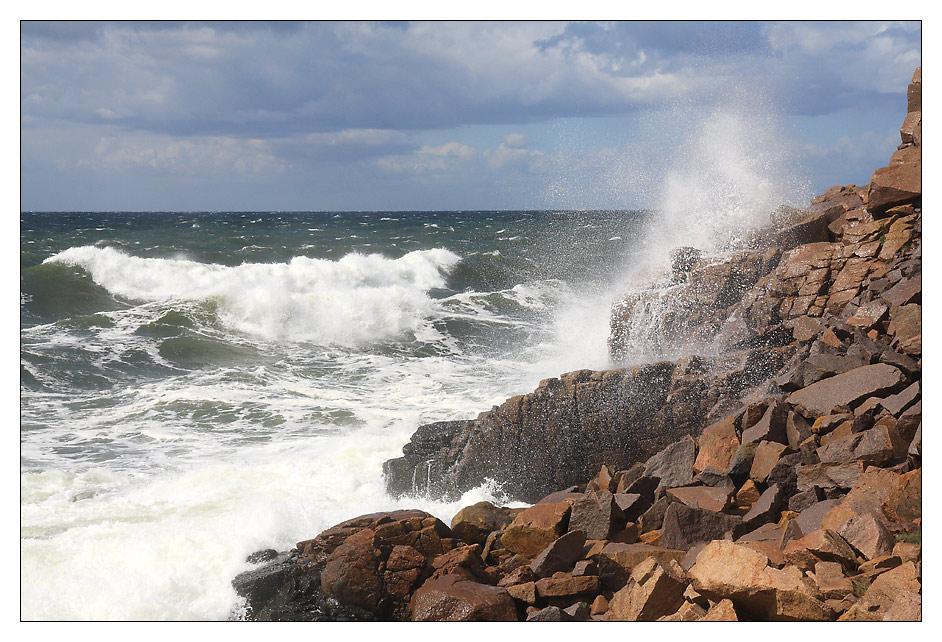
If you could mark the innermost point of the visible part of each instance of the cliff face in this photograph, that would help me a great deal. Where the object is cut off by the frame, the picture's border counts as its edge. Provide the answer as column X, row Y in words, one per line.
column 765, row 311
column 780, row 480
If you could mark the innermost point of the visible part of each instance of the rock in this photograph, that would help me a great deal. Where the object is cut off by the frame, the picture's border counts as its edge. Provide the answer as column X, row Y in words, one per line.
column 567, row 585
column 828, row 475
column 895, row 404
column 713, row 499
column 748, row 495
column 867, row 496
column 578, row 612
column 472, row 524
column 673, row 465
column 631, row 505
column 846, row 389
column 868, row 315
column 785, row 474
column 716, row 478
column 770, row 428
column 683, row 259
column 617, row 560
column 805, row 499
column 725, row 570
column 652, row 518
column 597, row 514
column 904, row 504
column 525, row 592
column 717, row 445
column 560, row 555
column 599, row 605
column 877, row 446
column 811, row 518
column 351, row 575
column 548, row 614
column 741, row 464
column 536, row 528
column 814, row 369
column 906, row 291
column 767, row 456
column 906, row 326
column 451, row 598
column 796, row 430
column 654, row 590
column 766, row 507
column 820, row 545
column 722, row 611
column 894, row 596
column 867, row 535
column 898, row 183
column 685, row 526
column 831, row 581
column 258, row 586
column 464, row 562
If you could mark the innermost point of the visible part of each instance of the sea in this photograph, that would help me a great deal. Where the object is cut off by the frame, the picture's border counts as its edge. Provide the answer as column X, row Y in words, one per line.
column 198, row 386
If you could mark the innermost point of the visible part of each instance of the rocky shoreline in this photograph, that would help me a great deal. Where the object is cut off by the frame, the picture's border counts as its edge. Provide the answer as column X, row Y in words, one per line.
column 778, row 480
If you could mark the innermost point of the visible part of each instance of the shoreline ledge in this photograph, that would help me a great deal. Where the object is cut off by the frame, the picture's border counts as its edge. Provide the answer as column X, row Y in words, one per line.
column 778, row 481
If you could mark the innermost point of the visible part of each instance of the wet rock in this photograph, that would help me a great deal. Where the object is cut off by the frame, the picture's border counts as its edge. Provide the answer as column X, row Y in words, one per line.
column 472, row 524
column 536, row 528
column 452, row 598
column 560, row 555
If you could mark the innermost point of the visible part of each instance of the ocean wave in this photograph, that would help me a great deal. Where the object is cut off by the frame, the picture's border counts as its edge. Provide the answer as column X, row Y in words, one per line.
column 358, row 299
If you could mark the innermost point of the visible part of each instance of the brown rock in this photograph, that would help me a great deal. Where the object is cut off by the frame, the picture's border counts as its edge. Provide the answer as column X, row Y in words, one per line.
column 898, row 183
column 706, row 497
column 535, row 528
column 685, row 526
column 597, row 514
column 821, row 545
column 472, row 524
column 525, row 592
column 725, row 570
column 560, row 555
column 796, row 430
column 748, row 495
column 846, row 389
column 717, row 444
column 906, row 291
column 567, row 585
column 906, row 325
column 351, row 575
column 867, row 496
column 688, row 612
column 722, row 611
column 868, row 315
column 766, row 507
column 867, row 535
column 548, row 614
column 831, row 581
column 674, row 464
column 828, row 475
column 826, row 423
column 464, row 562
column 767, row 455
column 520, row 575
column 895, row 404
column 907, row 552
column 654, row 590
column 616, row 560
column 893, row 596
column 771, row 427
column 599, row 605
column 451, row 598
column 905, row 503
column 876, row 446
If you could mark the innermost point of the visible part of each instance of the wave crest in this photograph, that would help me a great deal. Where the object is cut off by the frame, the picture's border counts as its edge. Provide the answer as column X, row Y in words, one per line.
column 358, row 299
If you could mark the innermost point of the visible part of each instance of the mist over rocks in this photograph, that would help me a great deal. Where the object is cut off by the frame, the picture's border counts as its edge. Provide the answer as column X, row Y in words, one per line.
column 772, row 472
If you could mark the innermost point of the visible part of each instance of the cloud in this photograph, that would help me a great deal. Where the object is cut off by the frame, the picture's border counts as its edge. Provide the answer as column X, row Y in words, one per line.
column 447, row 157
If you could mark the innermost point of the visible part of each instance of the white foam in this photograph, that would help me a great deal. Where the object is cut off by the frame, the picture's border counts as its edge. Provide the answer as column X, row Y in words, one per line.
column 358, row 299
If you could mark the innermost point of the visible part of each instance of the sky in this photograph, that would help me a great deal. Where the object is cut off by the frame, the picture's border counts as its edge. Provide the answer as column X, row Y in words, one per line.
column 442, row 115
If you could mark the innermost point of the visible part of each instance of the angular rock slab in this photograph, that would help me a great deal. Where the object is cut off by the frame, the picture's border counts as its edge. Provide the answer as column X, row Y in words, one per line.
column 451, row 598
column 846, row 389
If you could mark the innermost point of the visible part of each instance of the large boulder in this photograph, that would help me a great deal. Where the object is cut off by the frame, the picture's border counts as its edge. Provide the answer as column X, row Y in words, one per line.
column 472, row 524
column 898, row 183
column 452, row 598
column 846, row 389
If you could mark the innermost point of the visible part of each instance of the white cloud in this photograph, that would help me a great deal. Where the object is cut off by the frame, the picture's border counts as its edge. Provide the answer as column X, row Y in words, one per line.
column 447, row 157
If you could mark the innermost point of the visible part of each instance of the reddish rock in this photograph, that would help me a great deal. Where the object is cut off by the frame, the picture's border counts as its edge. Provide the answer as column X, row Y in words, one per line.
column 567, row 585
column 725, row 570
column 867, row 496
column 351, row 575
column 560, row 555
column 867, row 535
column 821, row 545
column 876, row 446
column 796, row 430
column 748, row 495
column 525, row 592
column 547, row 614
column 894, row 596
column 895, row 404
column 767, row 455
column 898, row 183
column 830, row 580
column 846, row 389
column 706, row 497
column 654, row 590
column 805, row 328
column 451, row 598
column 519, row 575
column 722, row 611
column 596, row 514
column 472, row 524
column 599, row 605
column 906, row 291
column 771, row 427
column 766, row 507
column 828, row 475
column 535, row 528
column 464, row 562
column 868, row 315
column 904, row 504
column 616, row 561
column 906, row 326
column 717, row 445
column 685, row 526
